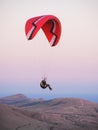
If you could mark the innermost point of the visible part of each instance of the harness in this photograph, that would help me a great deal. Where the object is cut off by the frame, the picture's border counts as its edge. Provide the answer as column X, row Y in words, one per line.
column 43, row 84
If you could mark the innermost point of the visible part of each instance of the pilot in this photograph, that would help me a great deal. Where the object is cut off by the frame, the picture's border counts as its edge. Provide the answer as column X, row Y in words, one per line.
column 44, row 84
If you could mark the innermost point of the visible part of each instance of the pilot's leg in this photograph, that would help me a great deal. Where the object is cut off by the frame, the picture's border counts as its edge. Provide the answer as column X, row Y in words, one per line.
column 49, row 86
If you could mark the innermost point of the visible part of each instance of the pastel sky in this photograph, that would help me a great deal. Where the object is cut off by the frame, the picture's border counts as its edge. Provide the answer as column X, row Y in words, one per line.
column 71, row 67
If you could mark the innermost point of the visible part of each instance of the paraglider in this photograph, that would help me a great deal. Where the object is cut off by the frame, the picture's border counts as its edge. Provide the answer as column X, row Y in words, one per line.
column 50, row 25
column 44, row 84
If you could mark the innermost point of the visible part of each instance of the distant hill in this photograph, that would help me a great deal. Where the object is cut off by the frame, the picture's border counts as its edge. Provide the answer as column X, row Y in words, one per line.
column 19, row 100
column 13, row 98
column 56, row 114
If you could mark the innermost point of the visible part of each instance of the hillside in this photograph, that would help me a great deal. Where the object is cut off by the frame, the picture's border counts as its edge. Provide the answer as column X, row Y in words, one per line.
column 56, row 114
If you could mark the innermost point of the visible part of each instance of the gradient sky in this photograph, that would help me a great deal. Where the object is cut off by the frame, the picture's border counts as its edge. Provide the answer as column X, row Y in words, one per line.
column 71, row 67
